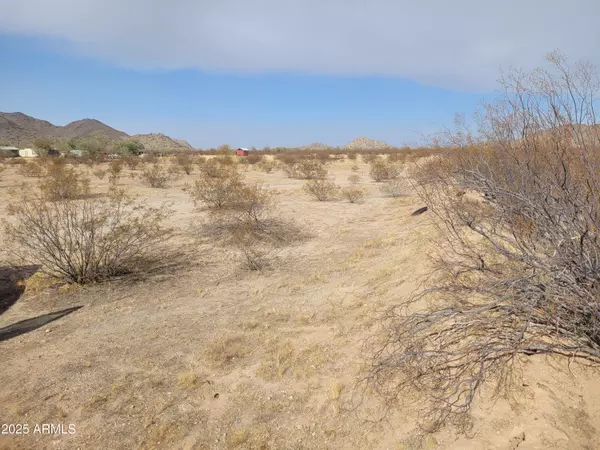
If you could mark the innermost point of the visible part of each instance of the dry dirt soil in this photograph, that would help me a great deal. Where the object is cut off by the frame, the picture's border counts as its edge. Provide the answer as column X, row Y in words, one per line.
column 208, row 355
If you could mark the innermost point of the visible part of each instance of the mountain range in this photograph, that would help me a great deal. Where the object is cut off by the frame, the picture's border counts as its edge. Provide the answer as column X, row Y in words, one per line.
column 21, row 130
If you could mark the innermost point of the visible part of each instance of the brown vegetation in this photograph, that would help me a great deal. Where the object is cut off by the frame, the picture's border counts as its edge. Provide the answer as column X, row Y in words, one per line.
column 517, row 271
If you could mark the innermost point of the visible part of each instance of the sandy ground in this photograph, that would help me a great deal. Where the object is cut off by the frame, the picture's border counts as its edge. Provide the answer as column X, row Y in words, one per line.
column 211, row 356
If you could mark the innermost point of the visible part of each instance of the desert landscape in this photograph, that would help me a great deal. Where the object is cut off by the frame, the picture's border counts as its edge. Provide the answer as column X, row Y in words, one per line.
column 309, row 298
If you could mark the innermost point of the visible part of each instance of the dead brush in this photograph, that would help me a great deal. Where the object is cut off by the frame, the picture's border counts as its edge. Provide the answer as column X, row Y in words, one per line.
column 516, row 267
column 84, row 240
column 321, row 190
column 185, row 163
column 132, row 162
column 33, row 169
column 62, row 182
column 158, row 176
column 353, row 194
column 382, row 170
column 266, row 165
column 114, row 171
column 250, row 224
column 218, row 192
column 99, row 173
column 310, row 169
column 397, row 187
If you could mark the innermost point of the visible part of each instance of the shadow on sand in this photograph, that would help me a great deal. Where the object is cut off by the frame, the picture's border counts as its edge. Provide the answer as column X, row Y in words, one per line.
column 25, row 326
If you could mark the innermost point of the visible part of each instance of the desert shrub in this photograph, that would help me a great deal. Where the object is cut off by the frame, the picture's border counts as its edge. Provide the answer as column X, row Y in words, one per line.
column 266, row 165
column 132, row 162
column 289, row 169
column 213, row 168
column 397, row 157
column 216, row 192
column 199, row 160
column 354, row 179
column 114, row 171
column 353, row 194
column 310, row 169
column 382, row 170
column 354, row 168
column 369, row 158
column 2, row 169
column 517, row 264
column 99, row 173
column 63, row 182
column 185, row 162
column 352, row 156
column 322, row 190
column 31, row 169
column 397, row 187
column 157, row 176
column 253, row 158
column 84, row 241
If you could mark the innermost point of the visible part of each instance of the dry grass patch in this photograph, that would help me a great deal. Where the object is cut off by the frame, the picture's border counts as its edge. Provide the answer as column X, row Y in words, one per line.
column 283, row 359
column 228, row 349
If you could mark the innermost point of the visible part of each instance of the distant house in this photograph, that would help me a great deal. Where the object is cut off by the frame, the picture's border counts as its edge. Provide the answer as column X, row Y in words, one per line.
column 75, row 153
column 8, row 152
column 242, row 152
column 28, row 153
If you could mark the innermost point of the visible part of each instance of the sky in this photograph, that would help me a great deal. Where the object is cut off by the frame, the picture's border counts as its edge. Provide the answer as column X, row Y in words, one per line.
column 276, row 72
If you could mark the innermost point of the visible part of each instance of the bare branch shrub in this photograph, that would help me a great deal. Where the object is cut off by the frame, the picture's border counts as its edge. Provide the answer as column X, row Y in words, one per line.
column 253, row 158
column 132, row 162
column 354, row 179
column 216, row 192
column 322, row 190
column 185, row 162
column 157, row 176
column 398, row 187
column 114, row 171
column 266, row 165
column 31, row 169
column 310, row 169
column 63, row 182
column 87, row 240
column 353, row 194
column 518, row 266
column 382, row 170
column 99, row 173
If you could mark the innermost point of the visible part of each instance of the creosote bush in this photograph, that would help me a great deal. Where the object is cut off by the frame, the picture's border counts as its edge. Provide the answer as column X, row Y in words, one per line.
column 397, row 187
column 158, row 176
column 86, row 240
column 353, row 194
column 63, row 182
column 517, row 266
column 218, row 192
column 382, row 170
column 322, row 190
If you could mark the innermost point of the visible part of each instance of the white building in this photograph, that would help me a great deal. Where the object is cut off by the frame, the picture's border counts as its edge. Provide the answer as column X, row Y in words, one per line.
column 28, row 153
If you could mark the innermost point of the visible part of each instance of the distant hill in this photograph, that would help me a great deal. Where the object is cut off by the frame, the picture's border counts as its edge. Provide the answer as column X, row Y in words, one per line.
column 85, row 127
column 158, row 141
column 21, row 130
column 365, row 143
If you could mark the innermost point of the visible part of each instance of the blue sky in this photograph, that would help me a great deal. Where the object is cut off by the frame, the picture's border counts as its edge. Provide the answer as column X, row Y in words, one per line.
column 265, row 72
column 209, row 109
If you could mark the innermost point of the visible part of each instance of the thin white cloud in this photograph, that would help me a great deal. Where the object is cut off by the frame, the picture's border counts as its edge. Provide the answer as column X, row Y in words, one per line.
column 458, row 44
